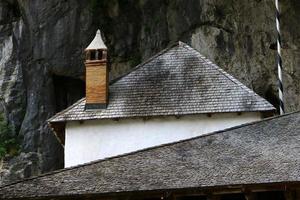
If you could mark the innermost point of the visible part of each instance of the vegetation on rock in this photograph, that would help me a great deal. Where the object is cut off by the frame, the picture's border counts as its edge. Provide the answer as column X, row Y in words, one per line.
column 8, row 142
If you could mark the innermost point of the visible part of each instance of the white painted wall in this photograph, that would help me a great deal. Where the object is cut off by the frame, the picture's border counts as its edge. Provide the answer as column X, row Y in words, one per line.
column 97, row 139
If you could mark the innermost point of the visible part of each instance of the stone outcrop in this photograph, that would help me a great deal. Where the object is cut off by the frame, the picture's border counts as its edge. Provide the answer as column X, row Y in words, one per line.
column 41, row 58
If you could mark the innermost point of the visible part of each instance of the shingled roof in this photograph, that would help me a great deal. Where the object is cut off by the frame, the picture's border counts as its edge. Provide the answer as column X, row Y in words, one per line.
column 261, row 152
column 176, row 81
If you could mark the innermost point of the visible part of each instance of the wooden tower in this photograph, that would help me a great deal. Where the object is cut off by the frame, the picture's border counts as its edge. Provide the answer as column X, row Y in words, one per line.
column 97, row 81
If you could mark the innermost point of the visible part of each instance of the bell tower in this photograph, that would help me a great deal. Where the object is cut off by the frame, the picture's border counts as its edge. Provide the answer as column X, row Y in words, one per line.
column 97, row 81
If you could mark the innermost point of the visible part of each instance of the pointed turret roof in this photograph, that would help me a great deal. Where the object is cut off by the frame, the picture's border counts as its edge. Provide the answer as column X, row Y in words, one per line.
column 97, row 42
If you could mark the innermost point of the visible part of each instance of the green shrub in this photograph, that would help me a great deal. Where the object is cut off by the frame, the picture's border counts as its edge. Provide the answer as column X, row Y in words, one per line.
column 8, row 142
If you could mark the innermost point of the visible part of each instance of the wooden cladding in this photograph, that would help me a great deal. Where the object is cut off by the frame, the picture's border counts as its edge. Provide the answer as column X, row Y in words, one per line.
column 96, row 84
column 59, row 131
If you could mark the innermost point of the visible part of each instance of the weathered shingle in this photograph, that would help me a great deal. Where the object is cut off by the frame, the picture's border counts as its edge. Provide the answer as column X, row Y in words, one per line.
column 262, row 152
column 177, row 81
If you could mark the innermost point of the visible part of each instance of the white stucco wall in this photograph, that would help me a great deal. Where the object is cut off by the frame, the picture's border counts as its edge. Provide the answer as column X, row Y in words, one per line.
column 99, row 139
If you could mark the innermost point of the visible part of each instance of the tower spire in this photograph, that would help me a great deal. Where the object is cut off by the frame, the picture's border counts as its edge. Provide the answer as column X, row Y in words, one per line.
column 97, row 42
column 96, row 74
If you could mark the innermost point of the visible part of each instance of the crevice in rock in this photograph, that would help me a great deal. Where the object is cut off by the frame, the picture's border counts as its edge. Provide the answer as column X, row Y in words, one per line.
column 67, row 90
column 9, row 12
column 271, row 96
column 193, row 29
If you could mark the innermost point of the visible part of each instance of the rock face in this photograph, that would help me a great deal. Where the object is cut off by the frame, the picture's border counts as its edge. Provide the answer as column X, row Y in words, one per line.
column 41, row 55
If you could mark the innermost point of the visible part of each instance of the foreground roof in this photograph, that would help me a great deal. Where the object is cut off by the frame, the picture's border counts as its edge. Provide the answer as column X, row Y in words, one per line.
column 261, row 152
column 177, row 81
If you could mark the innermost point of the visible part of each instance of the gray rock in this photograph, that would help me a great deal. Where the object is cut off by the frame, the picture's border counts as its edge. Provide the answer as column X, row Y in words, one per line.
column 19, row 167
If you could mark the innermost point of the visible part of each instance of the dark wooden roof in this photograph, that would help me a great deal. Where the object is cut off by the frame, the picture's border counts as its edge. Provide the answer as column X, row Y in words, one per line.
column 176, row 81
column 267, row 151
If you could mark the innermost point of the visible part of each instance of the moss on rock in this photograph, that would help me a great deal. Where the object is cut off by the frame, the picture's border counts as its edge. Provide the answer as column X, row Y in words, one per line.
column 8, row 142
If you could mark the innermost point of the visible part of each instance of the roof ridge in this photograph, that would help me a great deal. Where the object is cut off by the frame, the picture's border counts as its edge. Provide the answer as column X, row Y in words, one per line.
column 227, row 75
column 151, row 148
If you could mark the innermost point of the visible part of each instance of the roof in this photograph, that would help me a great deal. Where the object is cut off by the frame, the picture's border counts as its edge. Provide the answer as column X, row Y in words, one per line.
column 177, row 81
column 97, row 42
column 261, row 152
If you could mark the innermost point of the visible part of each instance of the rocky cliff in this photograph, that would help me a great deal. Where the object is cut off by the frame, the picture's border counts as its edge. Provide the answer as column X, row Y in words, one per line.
column 41, row 55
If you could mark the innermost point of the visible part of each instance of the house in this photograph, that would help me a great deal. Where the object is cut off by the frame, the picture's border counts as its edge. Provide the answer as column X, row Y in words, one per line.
column 175, row 95
column 256, row 161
